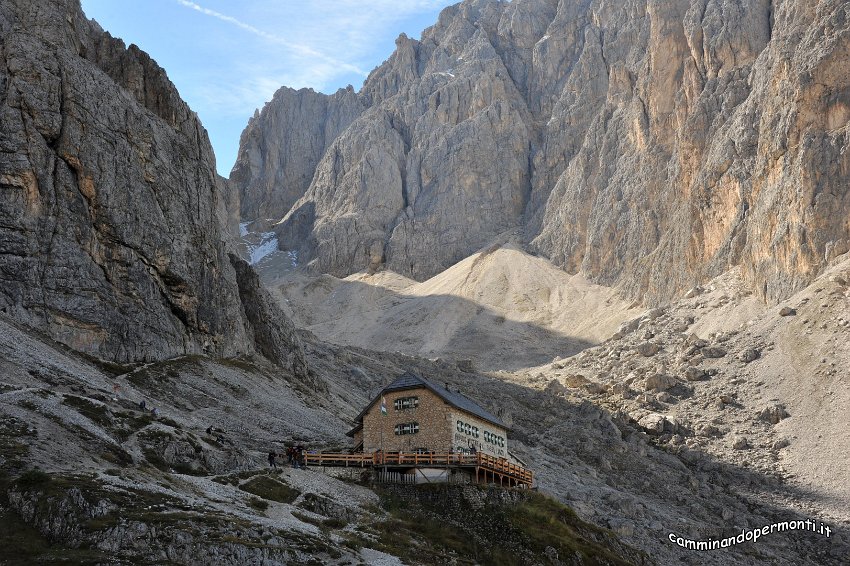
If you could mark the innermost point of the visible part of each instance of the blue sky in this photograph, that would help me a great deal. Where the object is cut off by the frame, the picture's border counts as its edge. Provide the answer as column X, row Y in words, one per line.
column 227, row 58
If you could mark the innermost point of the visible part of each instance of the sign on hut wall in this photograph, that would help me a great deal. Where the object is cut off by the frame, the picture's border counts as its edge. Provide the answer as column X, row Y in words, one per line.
column 470, row 431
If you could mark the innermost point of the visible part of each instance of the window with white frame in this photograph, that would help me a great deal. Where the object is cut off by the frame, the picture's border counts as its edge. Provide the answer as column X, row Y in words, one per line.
column 406, row 428
column 403, row 403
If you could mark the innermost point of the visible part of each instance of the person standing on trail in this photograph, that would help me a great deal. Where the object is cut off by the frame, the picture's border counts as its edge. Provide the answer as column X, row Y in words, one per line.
column 272, row 460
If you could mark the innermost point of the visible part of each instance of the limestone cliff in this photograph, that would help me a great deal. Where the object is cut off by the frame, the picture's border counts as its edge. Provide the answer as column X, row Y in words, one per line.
column 112, row 218
column 651, row 144
column 281, row 146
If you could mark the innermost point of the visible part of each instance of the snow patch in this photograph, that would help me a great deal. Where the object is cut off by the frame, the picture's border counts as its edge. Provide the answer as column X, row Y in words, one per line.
column 267, row 245
column 243, row 229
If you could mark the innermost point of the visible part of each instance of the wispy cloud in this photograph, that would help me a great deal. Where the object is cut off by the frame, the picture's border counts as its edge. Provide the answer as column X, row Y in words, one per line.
column 241, row 53
column 300, row 49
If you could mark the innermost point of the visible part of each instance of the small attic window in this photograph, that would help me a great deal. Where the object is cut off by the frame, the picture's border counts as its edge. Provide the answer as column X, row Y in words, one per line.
column 406, row 403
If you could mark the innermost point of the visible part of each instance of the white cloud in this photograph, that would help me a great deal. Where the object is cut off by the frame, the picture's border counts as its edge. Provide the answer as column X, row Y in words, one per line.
column 251, row 87
column 321, row 44
column 243, row 52
column 296, row 48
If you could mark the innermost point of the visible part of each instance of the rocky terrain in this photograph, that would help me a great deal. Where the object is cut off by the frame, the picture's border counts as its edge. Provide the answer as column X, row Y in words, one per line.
column 746, row 395
column 649, row 144
column 113, row 221
column 129, row 326
column 135, row 485
column 497, row 309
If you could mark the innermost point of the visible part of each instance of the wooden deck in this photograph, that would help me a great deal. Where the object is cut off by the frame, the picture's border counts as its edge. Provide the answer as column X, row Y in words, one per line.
column 488, row 469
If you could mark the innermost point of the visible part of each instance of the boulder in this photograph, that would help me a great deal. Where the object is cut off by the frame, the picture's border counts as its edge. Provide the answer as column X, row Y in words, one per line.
column 648, row 349
column 695, row 374
column 576, row 380
column 653, row 423
column 787, row 311
column 664, row 397
column 774, row 414
column 708, row 430
column 713, row 352
column 749, row 355
column 594, row 388
column 660, row 382
column 555, row 387
column 693, row 292
column 629, row 326
column 656, row 423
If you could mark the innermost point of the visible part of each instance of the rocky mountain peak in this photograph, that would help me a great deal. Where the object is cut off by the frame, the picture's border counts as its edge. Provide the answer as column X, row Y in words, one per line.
column 110, row 208
column 650, row 145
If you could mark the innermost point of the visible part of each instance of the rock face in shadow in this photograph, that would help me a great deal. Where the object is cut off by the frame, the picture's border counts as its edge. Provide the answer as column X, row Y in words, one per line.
column 650, row 144
column 112, row 218
column 272, row 332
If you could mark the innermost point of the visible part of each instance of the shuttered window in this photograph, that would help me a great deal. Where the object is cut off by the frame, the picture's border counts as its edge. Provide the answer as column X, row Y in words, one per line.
column 406, row 428
column 406, row 403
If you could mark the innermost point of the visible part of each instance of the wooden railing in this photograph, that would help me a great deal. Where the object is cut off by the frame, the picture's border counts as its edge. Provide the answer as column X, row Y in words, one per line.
column 485, row 462
column 358, row 460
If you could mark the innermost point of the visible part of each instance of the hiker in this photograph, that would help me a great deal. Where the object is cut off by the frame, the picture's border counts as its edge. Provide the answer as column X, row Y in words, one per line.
column 210, row 430
column 142, row 404
column 272, row 462
column 290, row 456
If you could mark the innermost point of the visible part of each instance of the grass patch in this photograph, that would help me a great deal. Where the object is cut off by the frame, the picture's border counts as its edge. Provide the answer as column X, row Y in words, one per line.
column 110, row 368
column 235, row 479
column 243, row 364
column 169, row 422
column 161, row 373
column 258, row 504
column 98, row 414
column 32, row 479
column 270, row 489
column 130, row 423
column 12, row 450
column 22, row 544
column 116, row 455
column 544, row 522
column 324, row 524
column 335, row 523
column 437, row 524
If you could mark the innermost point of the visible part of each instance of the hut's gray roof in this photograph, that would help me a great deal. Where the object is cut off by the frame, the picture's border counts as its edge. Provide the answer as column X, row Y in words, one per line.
column 411, row 381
